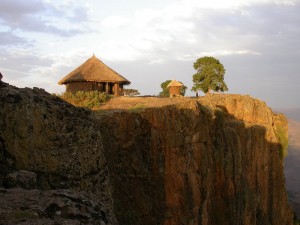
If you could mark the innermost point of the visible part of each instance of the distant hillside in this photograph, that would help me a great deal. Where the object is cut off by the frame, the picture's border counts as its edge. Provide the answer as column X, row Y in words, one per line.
column 292, row 113
column 292, row 165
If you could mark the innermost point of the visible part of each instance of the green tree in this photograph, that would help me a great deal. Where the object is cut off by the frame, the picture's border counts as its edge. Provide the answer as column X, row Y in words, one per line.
column 209, row 75
column 165, row 91
column 130, row 92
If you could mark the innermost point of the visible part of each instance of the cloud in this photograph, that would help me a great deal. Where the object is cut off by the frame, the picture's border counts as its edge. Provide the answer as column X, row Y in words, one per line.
column 286, row 2
column 30, row 68
column 8, row 38
column 44, row 17
column 256, row 40
column 17, row 61
column 17, row 8
column 247, row 28
column 115, row 22
column 234, row 4
column 191, row 57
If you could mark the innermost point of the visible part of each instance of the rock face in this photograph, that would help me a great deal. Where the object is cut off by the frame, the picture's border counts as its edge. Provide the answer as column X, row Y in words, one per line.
column 215, row 160
column 48, row 144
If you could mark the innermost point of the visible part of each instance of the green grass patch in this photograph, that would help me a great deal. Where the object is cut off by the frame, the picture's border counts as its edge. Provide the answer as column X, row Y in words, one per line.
column 137, row 108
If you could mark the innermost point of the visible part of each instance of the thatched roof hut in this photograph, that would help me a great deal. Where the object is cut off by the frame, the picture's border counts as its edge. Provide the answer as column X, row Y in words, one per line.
column 175, row 83
column 175, row 88
column 93, row 74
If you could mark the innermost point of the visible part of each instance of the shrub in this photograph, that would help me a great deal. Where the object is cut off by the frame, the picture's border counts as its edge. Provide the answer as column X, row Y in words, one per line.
column 86, row 99
column 283, row 140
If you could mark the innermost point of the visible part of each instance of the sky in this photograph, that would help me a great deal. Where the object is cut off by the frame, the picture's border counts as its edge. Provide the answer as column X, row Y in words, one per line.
column 149, row 42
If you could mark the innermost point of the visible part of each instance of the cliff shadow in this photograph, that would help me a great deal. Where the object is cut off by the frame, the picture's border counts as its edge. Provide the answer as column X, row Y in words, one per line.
column 197, row 165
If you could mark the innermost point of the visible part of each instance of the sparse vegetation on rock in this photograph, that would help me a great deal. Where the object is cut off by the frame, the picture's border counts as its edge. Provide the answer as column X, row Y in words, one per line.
column 86, row 99
column 281, row 131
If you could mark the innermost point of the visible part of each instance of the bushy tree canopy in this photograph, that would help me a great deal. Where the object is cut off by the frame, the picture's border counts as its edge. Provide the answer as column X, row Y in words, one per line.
column 131, row 92
column 209, row 75
column 165, row 91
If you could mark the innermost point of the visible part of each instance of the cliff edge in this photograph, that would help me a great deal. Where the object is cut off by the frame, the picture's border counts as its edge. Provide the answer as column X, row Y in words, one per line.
column 212, row 160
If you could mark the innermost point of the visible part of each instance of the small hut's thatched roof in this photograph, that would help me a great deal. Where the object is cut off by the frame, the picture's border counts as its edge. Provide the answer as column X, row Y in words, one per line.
column 94, row 70
column 174, row 83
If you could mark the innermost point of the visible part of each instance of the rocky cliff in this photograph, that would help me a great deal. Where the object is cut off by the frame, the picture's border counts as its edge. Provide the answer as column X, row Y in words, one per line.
column 52, row 167
column 215, row 160
column 211, row 160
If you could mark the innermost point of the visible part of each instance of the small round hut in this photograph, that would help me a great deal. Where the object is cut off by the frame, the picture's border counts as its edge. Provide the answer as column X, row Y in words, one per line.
column 94, row 75
column 175, row 88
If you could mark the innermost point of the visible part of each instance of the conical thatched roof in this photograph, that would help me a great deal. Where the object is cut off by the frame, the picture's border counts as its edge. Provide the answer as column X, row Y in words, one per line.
column 174, row 83
column 94, row 70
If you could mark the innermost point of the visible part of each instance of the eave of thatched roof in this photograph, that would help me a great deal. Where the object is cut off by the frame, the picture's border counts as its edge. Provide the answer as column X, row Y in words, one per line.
column 174, row 83
column 94, row 70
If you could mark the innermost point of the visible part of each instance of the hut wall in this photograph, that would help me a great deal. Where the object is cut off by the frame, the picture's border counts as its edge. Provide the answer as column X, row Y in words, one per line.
column 109, row 88
column 98, row 86
column 79, row 86
column 174, row 91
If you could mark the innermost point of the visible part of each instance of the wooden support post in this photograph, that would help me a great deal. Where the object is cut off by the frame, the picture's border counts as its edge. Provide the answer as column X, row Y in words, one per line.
column 116, row 89
column 107, row 88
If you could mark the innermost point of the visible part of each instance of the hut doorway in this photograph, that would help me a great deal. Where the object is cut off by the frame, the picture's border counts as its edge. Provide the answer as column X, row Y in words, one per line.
column 110, row 91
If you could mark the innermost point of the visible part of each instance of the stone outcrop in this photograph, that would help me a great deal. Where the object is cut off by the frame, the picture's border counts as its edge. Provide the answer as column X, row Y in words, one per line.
column 215, row 160
column 22, row 178
column 31, row 207
column 47, row 144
